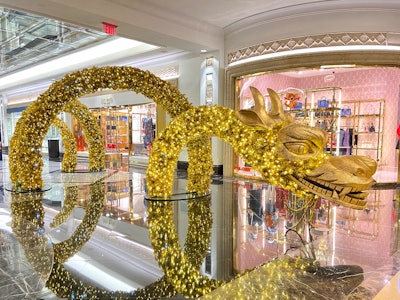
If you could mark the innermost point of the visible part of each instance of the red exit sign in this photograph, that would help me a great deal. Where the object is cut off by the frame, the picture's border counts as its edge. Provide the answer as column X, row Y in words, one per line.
column 109, row 28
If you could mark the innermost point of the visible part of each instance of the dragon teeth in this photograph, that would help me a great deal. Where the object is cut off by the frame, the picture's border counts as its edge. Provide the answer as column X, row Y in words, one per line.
column 346, row 190
column 352, row 197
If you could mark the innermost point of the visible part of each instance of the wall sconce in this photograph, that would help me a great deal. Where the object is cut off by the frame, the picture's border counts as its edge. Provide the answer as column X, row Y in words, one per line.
column 209, row 61
column 209, row 88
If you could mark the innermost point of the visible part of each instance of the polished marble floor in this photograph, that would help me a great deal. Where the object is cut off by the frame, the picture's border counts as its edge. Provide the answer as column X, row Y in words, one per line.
column 250, row 227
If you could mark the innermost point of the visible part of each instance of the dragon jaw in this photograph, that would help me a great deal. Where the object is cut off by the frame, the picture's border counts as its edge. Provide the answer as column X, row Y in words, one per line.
column 341, row 180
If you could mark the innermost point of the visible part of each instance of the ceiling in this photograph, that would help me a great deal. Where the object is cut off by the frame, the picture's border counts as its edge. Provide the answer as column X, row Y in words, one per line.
column 176, row 27
column 27, row 39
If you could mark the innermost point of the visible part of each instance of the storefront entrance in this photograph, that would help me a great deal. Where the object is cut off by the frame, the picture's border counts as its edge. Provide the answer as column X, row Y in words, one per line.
column 128, row 130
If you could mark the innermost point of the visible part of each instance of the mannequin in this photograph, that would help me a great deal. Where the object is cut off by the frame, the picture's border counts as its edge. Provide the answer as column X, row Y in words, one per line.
column 147, row 125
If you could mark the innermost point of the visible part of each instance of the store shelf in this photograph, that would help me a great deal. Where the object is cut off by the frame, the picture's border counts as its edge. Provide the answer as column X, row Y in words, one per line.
column 116, row 129
column 321, row 108
column 351, row 125
column 366, row 121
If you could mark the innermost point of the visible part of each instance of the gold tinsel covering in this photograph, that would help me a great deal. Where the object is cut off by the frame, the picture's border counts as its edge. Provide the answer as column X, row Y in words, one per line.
column 47, row 259
column 70, row 199
column 66, row 249
column 256, row 145
column 27, row 208
column 28, row 226
column 182, row 267
column 278, row 279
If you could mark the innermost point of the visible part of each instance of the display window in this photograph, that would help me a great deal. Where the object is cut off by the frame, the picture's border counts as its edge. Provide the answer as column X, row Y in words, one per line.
column 12, row 119
column 13, row 115
column 143, row 128
column 114, row 124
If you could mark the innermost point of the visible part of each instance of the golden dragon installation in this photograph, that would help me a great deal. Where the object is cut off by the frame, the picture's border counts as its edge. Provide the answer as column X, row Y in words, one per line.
column 285, row 153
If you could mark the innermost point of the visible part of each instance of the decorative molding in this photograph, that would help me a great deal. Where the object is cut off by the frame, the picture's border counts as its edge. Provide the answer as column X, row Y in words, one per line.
column 167, row 72
column 314, row 41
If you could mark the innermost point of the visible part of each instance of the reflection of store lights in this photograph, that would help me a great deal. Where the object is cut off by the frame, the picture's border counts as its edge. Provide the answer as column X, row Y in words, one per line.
column 98, row 275
column 315, row 50
column 92, row 268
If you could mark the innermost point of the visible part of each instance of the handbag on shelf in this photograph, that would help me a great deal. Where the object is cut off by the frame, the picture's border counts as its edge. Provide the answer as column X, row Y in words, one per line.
column 323, row 103
column 371, row 128
column 322, row 124
column 298, row 106
column 301, row 114
column 345, row 111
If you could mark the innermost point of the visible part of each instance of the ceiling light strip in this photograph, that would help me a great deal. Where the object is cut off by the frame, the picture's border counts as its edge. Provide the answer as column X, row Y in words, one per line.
column 71, row 62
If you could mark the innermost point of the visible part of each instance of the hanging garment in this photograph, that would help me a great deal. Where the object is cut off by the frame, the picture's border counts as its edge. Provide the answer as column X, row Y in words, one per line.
column 148, row 131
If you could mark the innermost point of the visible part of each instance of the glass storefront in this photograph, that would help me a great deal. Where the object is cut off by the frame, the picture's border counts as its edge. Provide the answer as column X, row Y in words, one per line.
column 128, row 129
column 13, row 115
column 351, row 105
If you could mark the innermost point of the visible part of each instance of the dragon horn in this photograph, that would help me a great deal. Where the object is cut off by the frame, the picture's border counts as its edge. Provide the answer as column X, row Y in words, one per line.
column 276, row 103
column 258, row 116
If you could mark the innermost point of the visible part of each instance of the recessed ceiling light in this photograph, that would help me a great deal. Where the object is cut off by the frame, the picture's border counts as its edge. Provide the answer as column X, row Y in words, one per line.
column 203, row 50
column 338, row 66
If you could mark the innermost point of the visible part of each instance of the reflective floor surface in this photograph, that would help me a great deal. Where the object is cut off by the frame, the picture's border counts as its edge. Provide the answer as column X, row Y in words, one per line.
column 331, row 253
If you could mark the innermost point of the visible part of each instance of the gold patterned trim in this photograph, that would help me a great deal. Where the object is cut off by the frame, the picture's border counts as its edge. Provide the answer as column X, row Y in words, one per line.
column 305, row 42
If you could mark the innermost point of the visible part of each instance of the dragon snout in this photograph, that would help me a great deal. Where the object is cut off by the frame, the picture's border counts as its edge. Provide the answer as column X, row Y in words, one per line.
column 346, row 170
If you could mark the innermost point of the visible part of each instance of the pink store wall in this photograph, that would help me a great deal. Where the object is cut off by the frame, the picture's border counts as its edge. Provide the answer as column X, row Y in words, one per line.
column 358, row 84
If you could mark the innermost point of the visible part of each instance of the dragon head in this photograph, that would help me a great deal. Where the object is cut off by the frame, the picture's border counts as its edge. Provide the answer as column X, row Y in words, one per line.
column 341, row 179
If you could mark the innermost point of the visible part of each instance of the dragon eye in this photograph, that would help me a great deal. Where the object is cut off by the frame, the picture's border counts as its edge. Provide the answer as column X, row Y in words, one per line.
column 298, row 148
